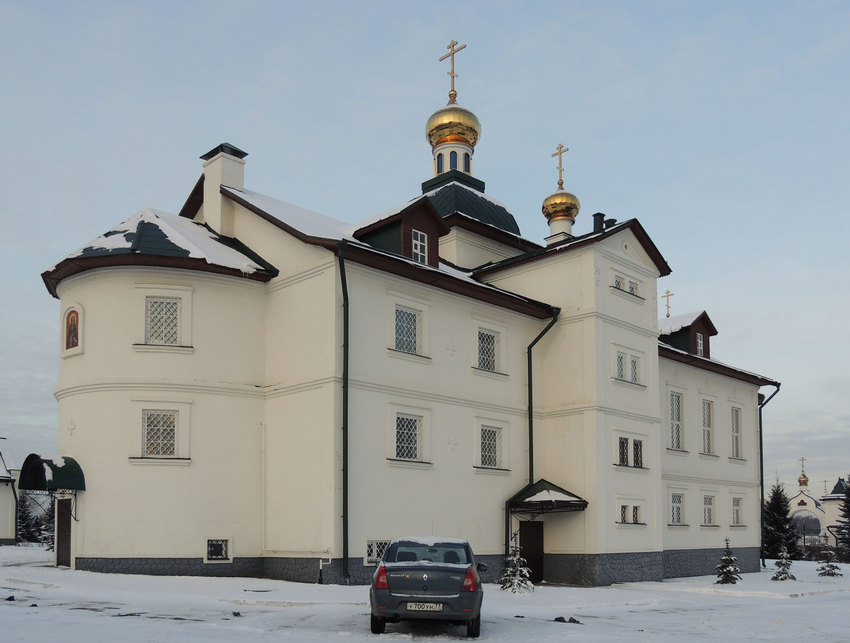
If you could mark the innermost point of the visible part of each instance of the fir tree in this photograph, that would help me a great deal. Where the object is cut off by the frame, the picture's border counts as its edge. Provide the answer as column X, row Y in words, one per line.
column 783, row 571
column 728, row 572
column 842, row 530
column 779, row 531
column 516, row 577
column 828, row 566
column 47, row 526
column 27, row 519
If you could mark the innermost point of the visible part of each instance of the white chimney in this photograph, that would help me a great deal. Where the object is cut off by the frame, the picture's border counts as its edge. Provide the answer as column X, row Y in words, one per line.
column 224, row 166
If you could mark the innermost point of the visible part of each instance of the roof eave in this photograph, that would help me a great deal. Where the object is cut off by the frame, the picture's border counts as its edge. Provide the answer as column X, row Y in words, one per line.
column 713, row 367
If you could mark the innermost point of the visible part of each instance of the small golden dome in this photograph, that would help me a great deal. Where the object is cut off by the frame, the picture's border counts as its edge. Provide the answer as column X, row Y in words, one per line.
column 803, row 480
column 453, row 123
column 561, row 205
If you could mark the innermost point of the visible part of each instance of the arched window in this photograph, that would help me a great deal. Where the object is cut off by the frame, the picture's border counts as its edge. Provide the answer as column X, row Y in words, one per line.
column 453, row 161
column 72, row 329
column 466, row 163
column 439, row 163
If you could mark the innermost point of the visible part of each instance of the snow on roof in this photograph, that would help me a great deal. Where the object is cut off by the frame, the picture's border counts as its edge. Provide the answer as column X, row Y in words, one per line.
column 466, row 187
column 711, row 361
column 197, row 240
column 670, row 325
column 305, row 221
column 551, row 495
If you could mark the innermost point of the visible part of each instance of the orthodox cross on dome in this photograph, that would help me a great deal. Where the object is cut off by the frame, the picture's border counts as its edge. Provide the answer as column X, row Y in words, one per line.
column 559, row 152
column 667, row 294
column 452, row 74
column 803, row 464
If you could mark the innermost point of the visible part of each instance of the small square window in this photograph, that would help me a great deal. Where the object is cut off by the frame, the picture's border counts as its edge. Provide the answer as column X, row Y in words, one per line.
column 619, row 282
column 217, row 550
column 634, row 289
column 159, row 431
column 375, row 551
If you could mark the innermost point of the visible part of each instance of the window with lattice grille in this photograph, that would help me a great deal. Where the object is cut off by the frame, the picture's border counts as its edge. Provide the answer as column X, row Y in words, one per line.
column 634, row 288
column 677, row 501
column 707, row 426
column 491, row 446
column 676, row 421
column 636, row 514
column 634, row 371
column 217, row 550
column 736, row 433
column 162, row 320
column 637, row 453
column 708, row 510
column 488, row 350
column 700, row 345
column 408, row 437
column 736, row 511
column 624, row 513
column 375, row 550
column 160, row 433
column 406, row 329
column 621, row 366
column 623, row 452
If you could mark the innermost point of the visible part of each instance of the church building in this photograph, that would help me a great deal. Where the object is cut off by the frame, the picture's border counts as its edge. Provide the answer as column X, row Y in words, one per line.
column 250, row 388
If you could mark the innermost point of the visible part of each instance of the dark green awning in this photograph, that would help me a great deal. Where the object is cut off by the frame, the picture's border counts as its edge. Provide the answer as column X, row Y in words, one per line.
column 51, row 474
column 545, row 497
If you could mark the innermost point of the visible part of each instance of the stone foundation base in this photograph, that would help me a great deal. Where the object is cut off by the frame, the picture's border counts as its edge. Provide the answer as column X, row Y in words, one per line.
column 588, row 570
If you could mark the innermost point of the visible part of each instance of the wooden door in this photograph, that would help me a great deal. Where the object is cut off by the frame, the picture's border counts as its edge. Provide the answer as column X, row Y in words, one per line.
column 63, row 532
column 531, row 547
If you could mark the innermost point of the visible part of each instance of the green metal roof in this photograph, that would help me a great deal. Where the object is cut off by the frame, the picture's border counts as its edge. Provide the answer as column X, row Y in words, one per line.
column 51, row 474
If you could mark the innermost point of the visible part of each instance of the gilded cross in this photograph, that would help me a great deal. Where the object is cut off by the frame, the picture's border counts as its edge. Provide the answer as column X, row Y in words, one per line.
column 559, row 152
column 452, row 74
column 667, row 294
column 803, row 464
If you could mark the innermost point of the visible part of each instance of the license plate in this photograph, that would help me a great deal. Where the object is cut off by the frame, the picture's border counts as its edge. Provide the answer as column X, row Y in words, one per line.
column 424, row 607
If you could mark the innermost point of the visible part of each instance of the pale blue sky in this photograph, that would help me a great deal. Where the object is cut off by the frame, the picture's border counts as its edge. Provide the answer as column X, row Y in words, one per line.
column 723, row 127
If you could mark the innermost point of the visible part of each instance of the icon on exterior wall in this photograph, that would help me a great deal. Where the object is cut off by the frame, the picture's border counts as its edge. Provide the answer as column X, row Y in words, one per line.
column 72, row 329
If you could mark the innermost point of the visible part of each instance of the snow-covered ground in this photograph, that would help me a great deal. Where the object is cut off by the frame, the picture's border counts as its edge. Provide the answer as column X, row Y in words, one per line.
column 52, row 604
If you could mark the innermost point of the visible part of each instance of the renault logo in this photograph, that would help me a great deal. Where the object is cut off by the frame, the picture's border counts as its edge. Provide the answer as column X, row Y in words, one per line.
column 424, row 576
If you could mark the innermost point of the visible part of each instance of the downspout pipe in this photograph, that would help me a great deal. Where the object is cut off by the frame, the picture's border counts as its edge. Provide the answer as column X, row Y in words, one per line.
column 761, row 473
column 555, row 313
column 345, row 325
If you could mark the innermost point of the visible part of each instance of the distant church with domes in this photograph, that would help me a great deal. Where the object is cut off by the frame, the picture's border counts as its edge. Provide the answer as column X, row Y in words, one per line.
column 249, row 388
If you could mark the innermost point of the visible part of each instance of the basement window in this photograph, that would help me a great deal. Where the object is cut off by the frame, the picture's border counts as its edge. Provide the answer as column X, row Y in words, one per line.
column 217, row 550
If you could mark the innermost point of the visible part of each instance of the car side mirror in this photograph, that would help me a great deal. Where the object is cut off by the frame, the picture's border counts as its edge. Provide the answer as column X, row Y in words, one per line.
column 482, row 567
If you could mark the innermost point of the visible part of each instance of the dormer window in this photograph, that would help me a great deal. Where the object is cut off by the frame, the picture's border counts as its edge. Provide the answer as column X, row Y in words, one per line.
column 700, row 345
column 420, row 246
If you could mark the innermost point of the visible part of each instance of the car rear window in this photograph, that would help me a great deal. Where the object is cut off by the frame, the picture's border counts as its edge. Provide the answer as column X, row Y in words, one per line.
column 410, row 552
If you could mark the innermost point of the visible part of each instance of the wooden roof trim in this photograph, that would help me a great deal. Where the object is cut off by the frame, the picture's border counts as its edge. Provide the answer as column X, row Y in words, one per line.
column 422, row 203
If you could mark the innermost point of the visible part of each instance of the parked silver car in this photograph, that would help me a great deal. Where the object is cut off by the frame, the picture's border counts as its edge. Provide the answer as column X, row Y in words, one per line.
column 428, row 578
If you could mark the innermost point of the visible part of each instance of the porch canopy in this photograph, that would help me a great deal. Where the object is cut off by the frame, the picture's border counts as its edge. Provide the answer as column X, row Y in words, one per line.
column 51, row 473
column 545, row 497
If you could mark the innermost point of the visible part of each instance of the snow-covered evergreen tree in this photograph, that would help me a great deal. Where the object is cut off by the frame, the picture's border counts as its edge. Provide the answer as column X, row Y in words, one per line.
column 842, row 530
column 728, row 572
column 779, row 531
column 516, row 577
column 47, row 526
column 783, row 571
column 828, row 566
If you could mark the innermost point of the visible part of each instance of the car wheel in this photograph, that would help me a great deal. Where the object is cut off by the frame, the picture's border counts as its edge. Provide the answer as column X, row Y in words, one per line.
column 473, row 627
column 378, row 625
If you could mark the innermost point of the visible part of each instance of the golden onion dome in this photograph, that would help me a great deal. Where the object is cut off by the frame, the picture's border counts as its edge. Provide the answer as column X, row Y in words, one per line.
column 561, row 205
column 453, row 123
column 803, row 480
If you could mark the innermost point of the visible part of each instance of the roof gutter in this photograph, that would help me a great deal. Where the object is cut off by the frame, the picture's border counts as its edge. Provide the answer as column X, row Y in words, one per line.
column 345, row 322
column 761, row 472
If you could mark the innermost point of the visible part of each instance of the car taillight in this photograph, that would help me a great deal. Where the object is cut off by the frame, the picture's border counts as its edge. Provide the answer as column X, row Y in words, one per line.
column 468, row 582
column 381, row 579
